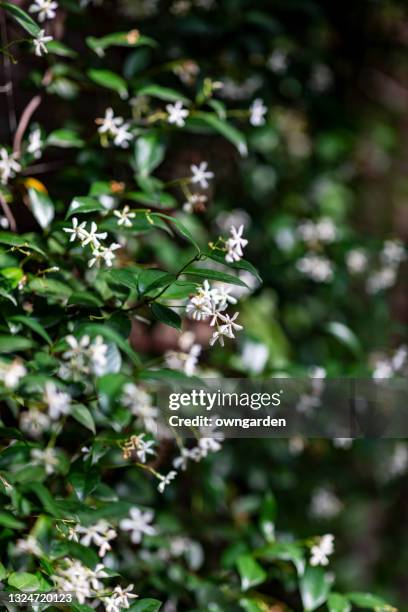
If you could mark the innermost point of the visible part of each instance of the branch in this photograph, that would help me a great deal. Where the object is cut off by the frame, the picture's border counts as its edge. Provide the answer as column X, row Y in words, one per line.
column 24, row 121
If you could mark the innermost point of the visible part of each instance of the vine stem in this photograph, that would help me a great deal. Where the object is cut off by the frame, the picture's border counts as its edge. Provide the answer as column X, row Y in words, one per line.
column 23, row 123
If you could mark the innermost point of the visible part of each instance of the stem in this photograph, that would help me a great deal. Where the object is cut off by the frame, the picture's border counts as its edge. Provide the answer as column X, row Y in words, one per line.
column 24, row 121
column 7, row 212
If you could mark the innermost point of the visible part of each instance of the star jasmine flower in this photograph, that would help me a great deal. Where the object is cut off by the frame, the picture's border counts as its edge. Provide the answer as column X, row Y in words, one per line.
column 76, row 578
column 138, row 524
column 109, row 124
column 199, row 308
column 195, row 203
column 119, row 599
column 8, row 166
column 47, row 458
column 77, row 349
column 124, row 216
column 201, row 174
column 40, row 43
column 29, row 546
column 257, row 112
column 93, row 237
column 122, row 136
column 235, row 244
column 45, row 9
column 322, row 550
column 108, row 255
column 11, row 373
column 226, row 329
column 59, row 403
column 140, row 404
column 33, row 422
column 144, row 448
column 97, row 355
column 165, row 480
column 77, row 230
column 35, row 143
column 177, row 113
column 100, row 534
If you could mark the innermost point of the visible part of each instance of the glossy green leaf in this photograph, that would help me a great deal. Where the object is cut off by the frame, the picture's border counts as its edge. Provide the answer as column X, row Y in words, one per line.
column 21, row 17
column 83, row 205
column 42, row 207
column 314, row 588
column 338, row 603
column 162, row 93
column 83, row 415
column 149, row 153
column 23, row 581
column 251, row 573
column 65, row 139
column 166, row 315
column 216, row 275
column 110, row 80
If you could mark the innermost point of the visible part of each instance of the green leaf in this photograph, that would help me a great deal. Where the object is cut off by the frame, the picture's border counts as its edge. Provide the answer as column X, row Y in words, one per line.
column 3, row 571
column 159, row 199
column 22, row 18
column 110, row 80
column 179, row 226
column 50, row 287
column 32, row 324
column 58, row 48
column 42, row 207
column 83, row 481
column 287, row 551
column 314, row 588
column 150, row 280
column 111, row 335
column 338, row 603
column 83, row 205
column 85, row 298
column 23, row 241
column 210, row 274
column 367, row 600
column 8, row 296
column 118, row 39
column 85, row 554
column 166, row 315
column 146, row 605
column 268, row 517
column 222, row 127
column 24, row 581
column 8, row 520
column 251, row 573
column 81, row 414
column 123, row 276
column 12, row 344
column 242, row 264
column 251, row 605
column 163, row 93
column 45, row 497
column 149, row 153
column 65, row 139
column 344, row 335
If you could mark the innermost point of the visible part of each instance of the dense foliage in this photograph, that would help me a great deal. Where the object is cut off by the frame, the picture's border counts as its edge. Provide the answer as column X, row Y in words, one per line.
column 180, row 190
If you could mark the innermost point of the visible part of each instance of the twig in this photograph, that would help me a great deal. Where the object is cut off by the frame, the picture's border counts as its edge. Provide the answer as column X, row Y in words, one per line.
column 7, row 212
column 24, row 121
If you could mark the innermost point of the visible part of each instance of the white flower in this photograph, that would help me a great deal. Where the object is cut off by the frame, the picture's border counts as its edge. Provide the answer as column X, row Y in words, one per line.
column 12, row 373
column 140, row 404
column 201, row 174
column 210, row 439
column 45, row 9
column 195, row 454
column 35, row 143
column 165, row 480
column 356, row 261
column 144, row 448
column 29, row 546
column 77, row 230
column 47, row 457
column 40, row 43
column 109, row 124
column 199, row 307
column 399, row 460
column 384, row 278
column 58, row 402
column 97, row 354
column 76, row 578
column 400, row 357
column 235, row 244
column 186, row 361
column 326, row 230
column 119, row 599
column 257, row 112
column 33, row 422
column 226, row 329
column 8, row 166
column 100, row 534
column 344, row 443
column 177, row 113
column 316, row 267
column 124, row 216
column 393, row 252
column 138, row 524
column 122, row 136
column 255, row 356
column 77, row 348
column 93, row 237
column 278, row 61
column 322, row 550
column 383, row 369
column 107, row 201
column 195, row 201
column 325, row 504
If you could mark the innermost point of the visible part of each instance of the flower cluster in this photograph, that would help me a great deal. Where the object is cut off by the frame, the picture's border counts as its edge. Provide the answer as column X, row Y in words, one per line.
column 93, row 238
